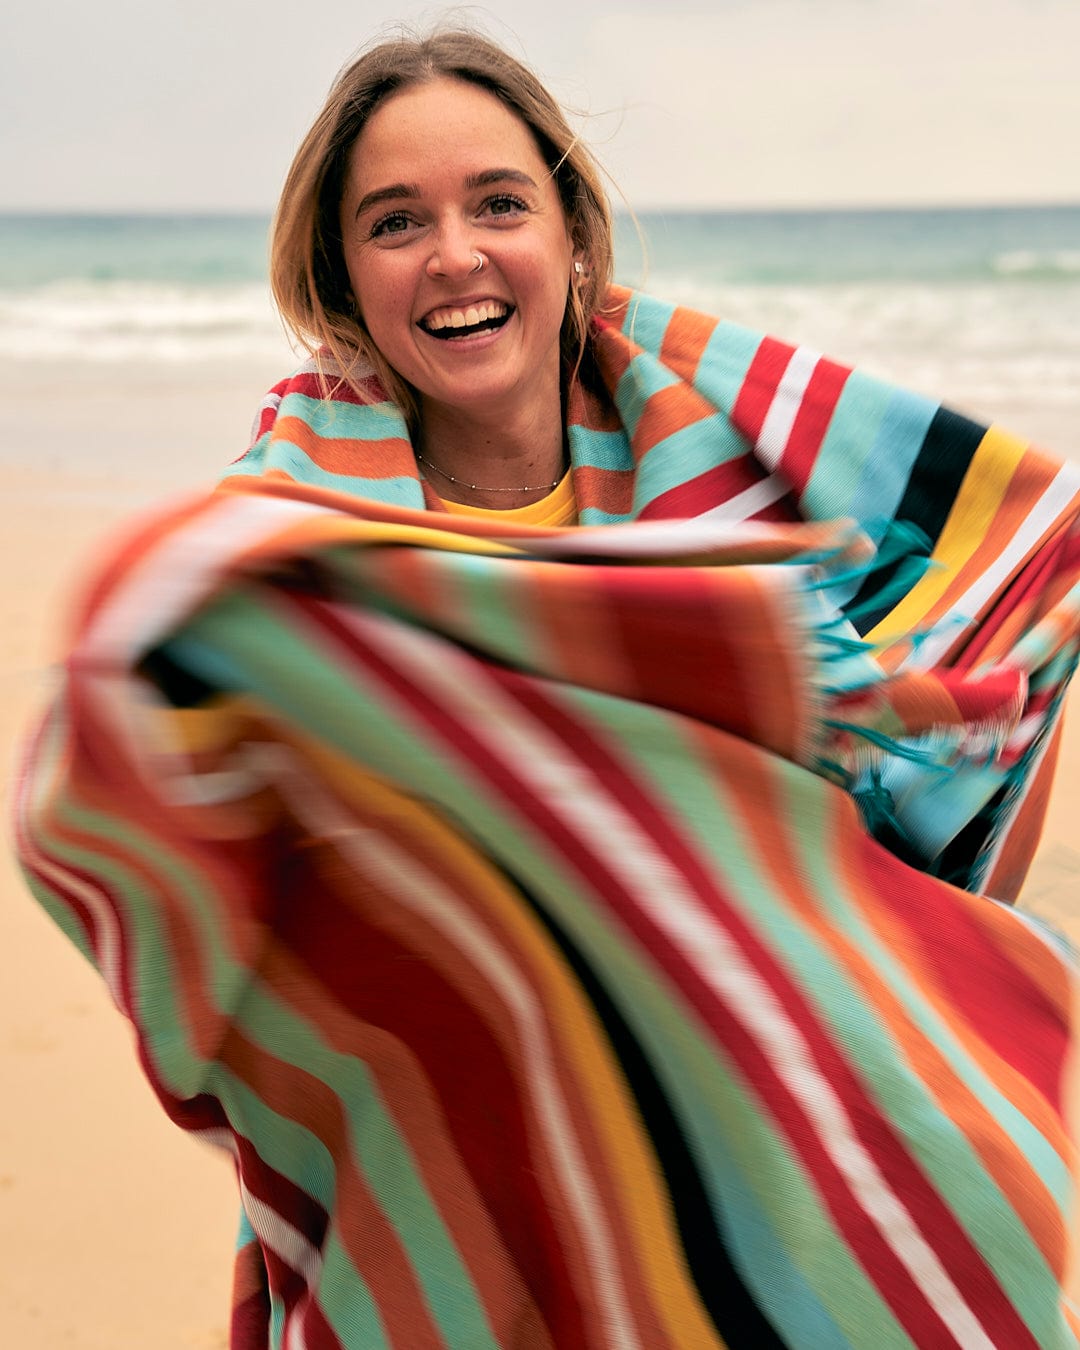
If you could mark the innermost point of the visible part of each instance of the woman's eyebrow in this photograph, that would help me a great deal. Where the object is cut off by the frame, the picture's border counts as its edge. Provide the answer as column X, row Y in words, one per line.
column 395, row 192
column 489, row 176
column 410, row 191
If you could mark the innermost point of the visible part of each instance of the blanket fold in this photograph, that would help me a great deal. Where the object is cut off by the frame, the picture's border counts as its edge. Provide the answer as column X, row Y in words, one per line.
column 506, row 899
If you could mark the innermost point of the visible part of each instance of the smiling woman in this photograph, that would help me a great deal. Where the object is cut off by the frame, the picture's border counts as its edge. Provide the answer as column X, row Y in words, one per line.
column 473, row 221
column 580, row 938
column 443, row 226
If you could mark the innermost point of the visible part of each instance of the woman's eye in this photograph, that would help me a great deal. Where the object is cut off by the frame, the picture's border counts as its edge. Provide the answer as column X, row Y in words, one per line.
column 505, row 205
column 396, row 223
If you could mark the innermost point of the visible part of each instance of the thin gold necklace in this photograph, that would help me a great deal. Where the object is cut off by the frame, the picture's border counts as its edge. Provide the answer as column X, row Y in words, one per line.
column 475, row 487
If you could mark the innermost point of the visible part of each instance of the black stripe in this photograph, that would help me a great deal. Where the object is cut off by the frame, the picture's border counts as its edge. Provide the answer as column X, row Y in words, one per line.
column 729, row 1303
column 942, row 463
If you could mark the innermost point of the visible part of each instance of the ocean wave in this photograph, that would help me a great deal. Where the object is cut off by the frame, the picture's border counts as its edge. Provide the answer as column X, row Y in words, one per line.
column 1031, row 264
column 980, row 345
column 123, row 321
column 986, row 348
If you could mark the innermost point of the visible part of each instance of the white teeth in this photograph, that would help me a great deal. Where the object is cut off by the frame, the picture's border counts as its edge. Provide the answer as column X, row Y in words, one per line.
column 468, row 318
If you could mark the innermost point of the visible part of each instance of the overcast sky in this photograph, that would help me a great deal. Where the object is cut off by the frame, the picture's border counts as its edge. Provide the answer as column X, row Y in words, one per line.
column 199, row 104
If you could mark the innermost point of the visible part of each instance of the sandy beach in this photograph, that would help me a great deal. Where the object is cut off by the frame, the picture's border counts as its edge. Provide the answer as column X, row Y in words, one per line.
column 115, row 1229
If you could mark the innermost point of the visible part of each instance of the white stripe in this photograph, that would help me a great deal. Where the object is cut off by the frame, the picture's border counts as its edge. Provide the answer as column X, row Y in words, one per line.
column 36, row 792
column 285, row 1241
column 570, row 789
column 750, row 501
column 165, row 585
column 217, row 1136
column 416, row 887
column 1058, row 495
column 287, row 1237
column 705, row 533
column 295, row 1338
column 785, row 406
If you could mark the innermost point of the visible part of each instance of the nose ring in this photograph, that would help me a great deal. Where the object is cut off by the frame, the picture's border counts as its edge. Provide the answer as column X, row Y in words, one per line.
column 480, row 261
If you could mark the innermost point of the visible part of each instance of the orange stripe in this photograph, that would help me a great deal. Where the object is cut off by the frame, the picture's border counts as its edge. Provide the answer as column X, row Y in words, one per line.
column 754, row 793
column 619, row 1157
column 685, row 339
column 370, row 1239
column 385, row 458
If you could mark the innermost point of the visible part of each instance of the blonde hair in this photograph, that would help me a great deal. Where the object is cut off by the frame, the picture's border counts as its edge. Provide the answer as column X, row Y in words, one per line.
column 307, row 266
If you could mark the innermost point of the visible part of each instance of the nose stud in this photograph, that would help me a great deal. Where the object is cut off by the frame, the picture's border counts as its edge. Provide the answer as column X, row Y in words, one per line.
column 480, row 261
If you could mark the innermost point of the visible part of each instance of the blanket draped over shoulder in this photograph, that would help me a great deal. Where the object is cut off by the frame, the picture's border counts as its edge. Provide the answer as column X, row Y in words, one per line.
column 576, row 935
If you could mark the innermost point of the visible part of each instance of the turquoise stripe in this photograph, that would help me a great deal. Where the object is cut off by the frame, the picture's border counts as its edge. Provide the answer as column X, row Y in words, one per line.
column 58, row 909
column 374, row 740
column 245, row 1235
column 647, row 320
column 886, row 470
column 346, row 1300
column 724, row 364
column 155, row 1010
column 277, row 1322
column 643, row 378
column 291, row 460
column 486, row 608
column 346, row 421
column 592, row 515
column 841, row 460
column 682, row 456
column 600, row 449
column 958, row 1174
column 807, row 1279
column 384, row 1157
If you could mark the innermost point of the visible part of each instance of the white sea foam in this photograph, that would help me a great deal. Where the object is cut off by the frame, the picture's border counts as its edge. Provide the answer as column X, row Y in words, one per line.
column 991, row 349
column 996, row 349
column 1029, row 262
column 122, row 321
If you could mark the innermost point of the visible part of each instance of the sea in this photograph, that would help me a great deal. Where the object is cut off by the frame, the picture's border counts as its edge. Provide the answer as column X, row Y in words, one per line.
column 979, row 307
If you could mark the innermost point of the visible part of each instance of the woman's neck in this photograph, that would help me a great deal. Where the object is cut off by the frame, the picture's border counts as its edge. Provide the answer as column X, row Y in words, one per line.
column 481, row 462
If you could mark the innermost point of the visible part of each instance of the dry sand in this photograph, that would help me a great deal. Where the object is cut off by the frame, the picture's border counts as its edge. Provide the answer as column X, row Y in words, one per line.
column 115, row 1229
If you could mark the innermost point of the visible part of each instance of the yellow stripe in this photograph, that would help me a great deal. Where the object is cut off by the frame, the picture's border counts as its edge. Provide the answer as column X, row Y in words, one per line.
column 626, row 1150
column 985, row 486
column 384, row 532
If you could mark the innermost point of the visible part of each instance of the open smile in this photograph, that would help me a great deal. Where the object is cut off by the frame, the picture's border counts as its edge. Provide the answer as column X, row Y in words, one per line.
column 450, row 323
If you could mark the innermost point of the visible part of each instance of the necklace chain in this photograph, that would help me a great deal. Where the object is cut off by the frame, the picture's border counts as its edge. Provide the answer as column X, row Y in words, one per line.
column 475, row 487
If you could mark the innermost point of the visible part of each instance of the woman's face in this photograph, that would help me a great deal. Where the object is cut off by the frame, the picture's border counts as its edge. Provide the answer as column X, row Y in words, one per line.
column 440, row 173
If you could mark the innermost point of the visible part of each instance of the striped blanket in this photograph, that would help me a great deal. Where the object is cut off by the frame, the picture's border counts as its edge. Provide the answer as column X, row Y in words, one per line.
column 572, row 934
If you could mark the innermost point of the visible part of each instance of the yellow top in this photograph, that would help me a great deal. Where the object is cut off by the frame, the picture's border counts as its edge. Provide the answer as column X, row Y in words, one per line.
column 559, row 507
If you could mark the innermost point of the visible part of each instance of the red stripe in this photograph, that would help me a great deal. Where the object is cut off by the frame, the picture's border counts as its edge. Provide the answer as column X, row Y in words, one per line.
column 812, row 420
column 759, row 387
column 381, row 982
column 368, row 1237
column 929, row 1212
column 710, row 489
column 981, row 985
column 686, row 635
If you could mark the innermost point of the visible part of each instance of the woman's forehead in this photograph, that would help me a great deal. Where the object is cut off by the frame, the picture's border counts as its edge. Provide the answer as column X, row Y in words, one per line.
column 443, row 123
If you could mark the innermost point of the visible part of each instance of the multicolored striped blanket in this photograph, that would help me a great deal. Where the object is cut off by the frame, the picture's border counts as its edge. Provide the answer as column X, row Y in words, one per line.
column 570, row 933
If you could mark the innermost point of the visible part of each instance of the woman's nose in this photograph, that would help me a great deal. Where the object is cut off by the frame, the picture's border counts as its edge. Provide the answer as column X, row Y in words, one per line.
column 454, row 252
